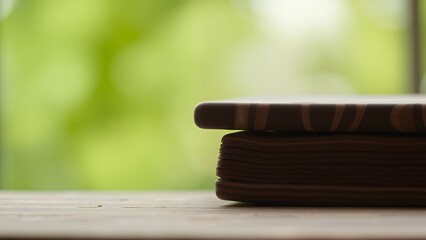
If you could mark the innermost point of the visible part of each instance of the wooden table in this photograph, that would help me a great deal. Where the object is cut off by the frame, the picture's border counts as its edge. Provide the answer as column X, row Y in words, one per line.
column 192, row 215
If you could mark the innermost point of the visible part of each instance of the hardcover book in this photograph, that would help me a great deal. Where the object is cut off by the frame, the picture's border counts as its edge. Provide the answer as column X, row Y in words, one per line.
column 403, row 113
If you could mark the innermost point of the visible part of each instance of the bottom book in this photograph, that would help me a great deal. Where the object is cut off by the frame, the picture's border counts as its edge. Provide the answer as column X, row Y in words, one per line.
column 323, row 169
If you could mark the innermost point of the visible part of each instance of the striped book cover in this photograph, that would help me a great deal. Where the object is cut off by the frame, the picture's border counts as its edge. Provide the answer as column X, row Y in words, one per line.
column 387, row 113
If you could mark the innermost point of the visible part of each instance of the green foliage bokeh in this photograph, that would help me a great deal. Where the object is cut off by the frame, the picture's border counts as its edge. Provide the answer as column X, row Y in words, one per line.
column 100, row 94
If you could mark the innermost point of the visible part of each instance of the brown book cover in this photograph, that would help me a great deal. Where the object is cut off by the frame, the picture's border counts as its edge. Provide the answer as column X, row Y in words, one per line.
column 386, row 113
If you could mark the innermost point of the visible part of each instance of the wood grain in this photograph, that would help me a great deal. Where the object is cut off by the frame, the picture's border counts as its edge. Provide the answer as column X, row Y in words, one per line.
column 192, row 215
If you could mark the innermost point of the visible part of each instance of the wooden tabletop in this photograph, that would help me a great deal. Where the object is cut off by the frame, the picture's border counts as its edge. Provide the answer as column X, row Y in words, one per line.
column 192, row 215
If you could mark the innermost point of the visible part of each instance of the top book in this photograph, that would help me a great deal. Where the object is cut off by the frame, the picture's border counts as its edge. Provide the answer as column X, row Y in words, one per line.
column 387, row 113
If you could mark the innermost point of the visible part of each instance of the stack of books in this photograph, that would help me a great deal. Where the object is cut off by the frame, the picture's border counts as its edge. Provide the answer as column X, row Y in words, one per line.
column 335, row 151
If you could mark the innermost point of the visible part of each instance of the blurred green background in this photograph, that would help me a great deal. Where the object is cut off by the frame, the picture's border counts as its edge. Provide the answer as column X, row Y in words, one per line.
column 100, row 94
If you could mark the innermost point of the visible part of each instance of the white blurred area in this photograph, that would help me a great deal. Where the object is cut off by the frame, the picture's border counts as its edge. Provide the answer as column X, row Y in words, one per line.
column 6, row 7
column 302, row 19
column 300, row 42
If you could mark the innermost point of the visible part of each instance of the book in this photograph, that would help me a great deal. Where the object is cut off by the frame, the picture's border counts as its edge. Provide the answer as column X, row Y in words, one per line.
column 386, row 114
column 321, row 150
column 323, row 168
